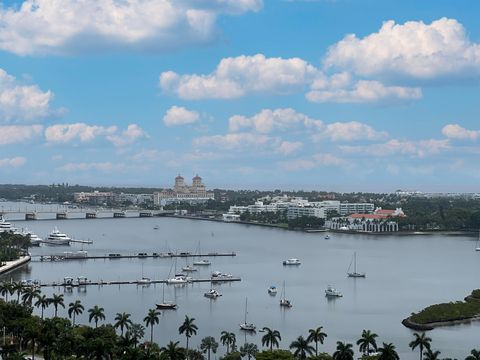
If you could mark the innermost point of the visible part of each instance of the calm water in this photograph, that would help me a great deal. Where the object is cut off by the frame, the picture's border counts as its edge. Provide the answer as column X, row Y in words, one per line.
column 404, row 274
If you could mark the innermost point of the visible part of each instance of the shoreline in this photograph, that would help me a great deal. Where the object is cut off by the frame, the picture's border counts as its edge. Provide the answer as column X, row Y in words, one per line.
column 351, row 232
column 430, row 326
column 12, row 265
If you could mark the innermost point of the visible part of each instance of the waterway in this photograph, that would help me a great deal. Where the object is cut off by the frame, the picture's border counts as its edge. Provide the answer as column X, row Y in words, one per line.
column 404, row 274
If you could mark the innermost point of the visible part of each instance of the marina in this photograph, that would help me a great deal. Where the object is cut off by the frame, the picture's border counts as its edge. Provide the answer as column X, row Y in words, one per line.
column 371, row 303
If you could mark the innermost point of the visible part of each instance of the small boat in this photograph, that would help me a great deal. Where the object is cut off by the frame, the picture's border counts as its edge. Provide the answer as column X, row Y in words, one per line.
column 82, row 280
column 144, row 281
column 81, row 254
column 247, row 326
column 212, row 294
column 156, row 227
column 203, row 262
column 178, row 279
column 292, row 261
column 165, row 305
column 284, row 302
column 272, row 290
column 355, row 274
column 332, row 292
column 57, row 238
column 327, row 237
column 189, row 268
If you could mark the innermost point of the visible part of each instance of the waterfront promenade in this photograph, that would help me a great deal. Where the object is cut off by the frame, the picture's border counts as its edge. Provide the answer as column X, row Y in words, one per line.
column 11, row 265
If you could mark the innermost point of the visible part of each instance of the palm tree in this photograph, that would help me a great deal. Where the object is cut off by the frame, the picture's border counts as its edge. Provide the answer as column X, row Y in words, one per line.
column 152, row 319
column 248, row 350
column 75, row 309
column 388, row 352
column 317, row 336
column 6, row 288
column 96, row 313
column 57, row 300
column 302, row 348
column 29, row 293
column 122, row 321
column 188, row 328
column 229, row 339
column 422, row 341
column 431, row 355
column 43, row 302
column 17, row 287
column 135, row 332
column 172, row 351
column 367, row 340
column 474, row 355
column 344, row 351
column 271, row 338
column 208, row 345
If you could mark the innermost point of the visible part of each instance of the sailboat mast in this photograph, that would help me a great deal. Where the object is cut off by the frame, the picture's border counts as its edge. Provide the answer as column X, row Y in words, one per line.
column 355, row 262
column 246, row 300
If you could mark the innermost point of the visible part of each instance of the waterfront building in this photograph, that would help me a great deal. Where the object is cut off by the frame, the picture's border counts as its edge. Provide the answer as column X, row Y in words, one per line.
column 356, row 208
column 382, row 220
column 294, row 212
column 95, row 197
column 181, row 192
column 135, row 199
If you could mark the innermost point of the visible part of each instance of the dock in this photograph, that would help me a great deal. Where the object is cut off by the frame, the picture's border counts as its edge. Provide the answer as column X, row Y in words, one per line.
column 115, row 256
column 138, row 282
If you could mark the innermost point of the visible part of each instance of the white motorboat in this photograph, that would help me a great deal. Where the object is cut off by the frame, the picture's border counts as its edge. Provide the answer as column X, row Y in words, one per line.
column 292, row 261
column 332, row 292
column 144, row 281
column 57, row 238
column 272, row 290
column 203, row 262
column 35, row 240
column 177, row 279
column 355, row 274
column 327, row 237
column 189, row 268
column 212, row 294
column 247, row 326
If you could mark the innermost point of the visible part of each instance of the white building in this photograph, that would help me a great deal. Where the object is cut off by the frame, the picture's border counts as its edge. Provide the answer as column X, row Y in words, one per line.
column 135, row 199
column 294, row 212
column 356, row 208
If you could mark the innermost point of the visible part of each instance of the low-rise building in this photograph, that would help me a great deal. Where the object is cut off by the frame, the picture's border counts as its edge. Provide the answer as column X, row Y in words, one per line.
column 356, row 208
column 95, row 197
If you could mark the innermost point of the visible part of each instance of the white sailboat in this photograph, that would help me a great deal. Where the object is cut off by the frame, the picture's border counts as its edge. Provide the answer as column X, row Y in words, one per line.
column 355, row 274
column 284, row 302
column 477, row 246
column 246, row 326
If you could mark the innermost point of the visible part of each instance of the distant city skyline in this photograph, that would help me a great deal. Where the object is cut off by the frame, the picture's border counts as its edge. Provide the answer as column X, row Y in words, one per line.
column 341, row 95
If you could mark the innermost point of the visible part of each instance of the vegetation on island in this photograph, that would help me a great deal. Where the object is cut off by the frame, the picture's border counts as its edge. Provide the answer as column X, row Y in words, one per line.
column 62, row 337
column 449, row 312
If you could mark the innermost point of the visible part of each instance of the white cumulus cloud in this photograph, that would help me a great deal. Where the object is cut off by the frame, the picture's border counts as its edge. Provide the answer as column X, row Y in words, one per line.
column 365, row 91
column 13, row 162
column 243, row 75
column 350, row 131
column 413, row 49
column 455, row 131
column 289, row 147
column 236, row 141
column 22, row 102
column 395, row 147
column 178, row 115
column 78, row 26
column 269, row 120
column 130, row 135
column 66, row 133
column 12, row 134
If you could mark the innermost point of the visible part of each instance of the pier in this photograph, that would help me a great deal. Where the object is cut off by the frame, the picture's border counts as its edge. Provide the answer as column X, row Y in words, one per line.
column 136, row 282
column 115, row 256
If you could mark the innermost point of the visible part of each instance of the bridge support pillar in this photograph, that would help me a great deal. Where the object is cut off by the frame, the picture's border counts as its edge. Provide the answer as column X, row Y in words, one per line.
column 118, row 214
column 61, row 216
column 30, row 216
column 90, row 215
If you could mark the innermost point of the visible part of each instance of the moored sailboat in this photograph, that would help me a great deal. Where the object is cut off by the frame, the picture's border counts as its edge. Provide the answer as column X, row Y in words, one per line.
column 355, row 274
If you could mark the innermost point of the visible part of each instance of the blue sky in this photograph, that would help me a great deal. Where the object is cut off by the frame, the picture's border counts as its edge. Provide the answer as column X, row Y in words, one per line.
column 344, row 95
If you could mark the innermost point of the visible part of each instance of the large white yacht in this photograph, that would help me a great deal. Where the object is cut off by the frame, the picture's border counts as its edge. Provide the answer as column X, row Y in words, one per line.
column 5, row 225
column 35, row 240
column 57, row 238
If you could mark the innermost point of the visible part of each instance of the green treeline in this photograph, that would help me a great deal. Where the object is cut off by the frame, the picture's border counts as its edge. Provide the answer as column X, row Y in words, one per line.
column 12, row 246
column 459, row 310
